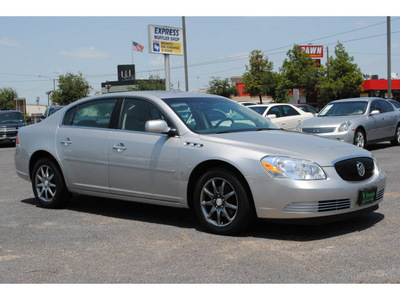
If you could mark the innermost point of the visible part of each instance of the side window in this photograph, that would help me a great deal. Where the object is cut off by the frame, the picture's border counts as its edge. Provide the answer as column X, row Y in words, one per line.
column 135, row 114
column 275, row 111
column 385, row 106
column 375, row 106
column 92, row 114
column 289, row 111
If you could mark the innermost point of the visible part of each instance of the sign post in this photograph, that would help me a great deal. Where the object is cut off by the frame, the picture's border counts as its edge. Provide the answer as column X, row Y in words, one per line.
column 168, row 41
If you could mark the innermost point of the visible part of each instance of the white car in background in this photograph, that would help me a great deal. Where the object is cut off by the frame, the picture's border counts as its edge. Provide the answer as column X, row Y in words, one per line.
column 285, row 116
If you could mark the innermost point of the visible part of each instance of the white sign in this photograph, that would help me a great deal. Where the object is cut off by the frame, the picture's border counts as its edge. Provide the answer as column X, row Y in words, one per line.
column 165, row 40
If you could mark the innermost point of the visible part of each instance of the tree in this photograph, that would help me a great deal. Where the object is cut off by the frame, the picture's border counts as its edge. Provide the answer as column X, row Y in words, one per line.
column 301, row 72
column 7, row 96
column 343, row 78
column 149, row 85
column 259, row 77
column 222, row 87
column 71, row 87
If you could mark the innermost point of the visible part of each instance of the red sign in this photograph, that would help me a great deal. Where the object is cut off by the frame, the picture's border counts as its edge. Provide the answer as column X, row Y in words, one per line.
column 313, row 51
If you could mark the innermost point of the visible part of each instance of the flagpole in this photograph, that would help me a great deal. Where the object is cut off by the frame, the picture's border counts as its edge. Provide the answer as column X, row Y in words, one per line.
column 132, row 54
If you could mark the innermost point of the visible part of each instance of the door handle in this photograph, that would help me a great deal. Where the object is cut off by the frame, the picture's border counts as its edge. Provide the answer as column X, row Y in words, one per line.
column 120, row 147
column 66, row 142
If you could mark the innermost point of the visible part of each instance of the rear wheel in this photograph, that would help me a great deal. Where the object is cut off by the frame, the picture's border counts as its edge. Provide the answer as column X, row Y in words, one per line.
column 396, row 140
column 221, row 203
column 48, row 184
column 359, row 139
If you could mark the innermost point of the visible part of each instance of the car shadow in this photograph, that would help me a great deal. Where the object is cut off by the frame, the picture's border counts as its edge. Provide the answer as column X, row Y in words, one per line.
column 379, row 146
column 304, row 233
column 184, row 218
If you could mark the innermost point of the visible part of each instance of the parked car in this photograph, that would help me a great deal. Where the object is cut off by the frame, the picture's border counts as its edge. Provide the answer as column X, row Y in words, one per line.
column 360, row 121
column 197, row 151
column 307, row 108
column 285, row 116
column 51, row 110
column 246, row 103
column 10, row 122
column 395, row 103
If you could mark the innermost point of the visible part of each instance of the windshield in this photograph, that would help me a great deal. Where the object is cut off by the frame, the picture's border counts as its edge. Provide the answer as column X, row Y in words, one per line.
column 217, row 115
column 344, row 109
column 53, row 110
column 11, row 117
column 259, row 109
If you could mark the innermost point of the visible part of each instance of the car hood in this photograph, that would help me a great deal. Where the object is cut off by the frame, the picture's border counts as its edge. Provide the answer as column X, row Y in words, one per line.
column 321, row 150
column 12, row 124
column 329, row 121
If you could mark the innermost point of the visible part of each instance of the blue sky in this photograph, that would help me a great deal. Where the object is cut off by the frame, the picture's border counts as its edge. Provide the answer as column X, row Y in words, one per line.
column 36, row 47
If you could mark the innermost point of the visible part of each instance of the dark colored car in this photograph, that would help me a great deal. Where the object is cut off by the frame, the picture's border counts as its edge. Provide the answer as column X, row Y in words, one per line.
column 10, row 121
column 51, row 110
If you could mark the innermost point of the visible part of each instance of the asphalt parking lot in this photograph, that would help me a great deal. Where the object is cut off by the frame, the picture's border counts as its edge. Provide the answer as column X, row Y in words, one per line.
column 97, row 240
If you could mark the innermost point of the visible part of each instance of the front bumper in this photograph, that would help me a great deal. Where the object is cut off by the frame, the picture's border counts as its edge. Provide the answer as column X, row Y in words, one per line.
column 347, row 136
column 295, row 199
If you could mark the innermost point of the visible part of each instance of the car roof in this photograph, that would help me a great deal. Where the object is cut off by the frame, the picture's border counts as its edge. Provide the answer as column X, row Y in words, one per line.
column 8, row 111
column 366, row 99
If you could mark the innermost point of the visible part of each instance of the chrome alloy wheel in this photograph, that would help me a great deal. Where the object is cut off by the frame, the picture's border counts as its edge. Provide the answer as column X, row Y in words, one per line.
column 397, row 138
column 359, row 139
column 45, row 183
column 219, row 202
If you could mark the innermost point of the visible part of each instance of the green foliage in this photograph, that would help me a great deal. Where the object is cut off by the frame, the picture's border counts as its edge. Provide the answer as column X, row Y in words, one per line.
column 7, row 96
column 259, row 79
column 301, row 72
column 222, row 87
column 283, row 88
column 149, row 85
column 343, row 78
column 71, row 87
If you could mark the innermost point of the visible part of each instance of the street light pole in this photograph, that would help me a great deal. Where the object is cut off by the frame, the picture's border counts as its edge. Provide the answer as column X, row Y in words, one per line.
column 389, row 71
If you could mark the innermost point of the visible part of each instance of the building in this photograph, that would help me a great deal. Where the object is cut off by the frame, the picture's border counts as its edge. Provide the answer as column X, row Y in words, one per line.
column 371, row 88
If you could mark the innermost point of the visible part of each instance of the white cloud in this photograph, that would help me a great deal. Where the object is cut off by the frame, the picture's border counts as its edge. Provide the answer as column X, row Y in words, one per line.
column 88, row 52
column 6, row 41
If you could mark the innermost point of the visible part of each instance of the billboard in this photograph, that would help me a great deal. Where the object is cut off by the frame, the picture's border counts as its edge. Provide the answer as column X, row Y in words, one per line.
column 165, row 40
column 313, row 51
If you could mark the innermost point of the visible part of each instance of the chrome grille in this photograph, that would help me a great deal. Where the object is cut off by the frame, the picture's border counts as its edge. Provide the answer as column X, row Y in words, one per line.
column 318, row 130
column 320, row 206
column 380, row 194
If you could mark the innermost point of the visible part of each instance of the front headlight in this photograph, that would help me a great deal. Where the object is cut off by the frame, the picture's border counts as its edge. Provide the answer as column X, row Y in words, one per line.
column 292, row 168
column 344, row 126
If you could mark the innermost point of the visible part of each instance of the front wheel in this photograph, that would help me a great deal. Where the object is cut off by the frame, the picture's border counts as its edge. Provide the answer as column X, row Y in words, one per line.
column 48, row 184
column 396, row 139
column 359, row 138
column 221, row 203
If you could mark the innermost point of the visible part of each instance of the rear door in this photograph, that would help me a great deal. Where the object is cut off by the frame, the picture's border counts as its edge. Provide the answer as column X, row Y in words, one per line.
column 390, row 119
column 82, row 145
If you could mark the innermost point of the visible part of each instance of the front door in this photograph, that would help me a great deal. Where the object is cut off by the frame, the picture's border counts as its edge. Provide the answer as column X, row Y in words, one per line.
column 141, row 164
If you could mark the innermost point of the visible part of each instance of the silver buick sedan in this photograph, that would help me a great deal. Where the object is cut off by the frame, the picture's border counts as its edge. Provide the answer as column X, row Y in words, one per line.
column 360, row 121
column 198, row 151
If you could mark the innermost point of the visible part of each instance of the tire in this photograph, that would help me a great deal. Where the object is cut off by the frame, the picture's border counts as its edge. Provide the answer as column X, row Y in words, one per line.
column 396, row 140
column 221, row 203
column 359, row 139
column 48, row 184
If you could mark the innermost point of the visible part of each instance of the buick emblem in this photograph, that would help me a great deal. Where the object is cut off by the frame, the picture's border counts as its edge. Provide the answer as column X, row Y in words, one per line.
column 360, row 169
column 315, row 130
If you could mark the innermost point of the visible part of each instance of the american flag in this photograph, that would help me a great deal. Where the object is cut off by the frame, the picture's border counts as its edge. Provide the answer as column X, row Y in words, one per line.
column 137, row 47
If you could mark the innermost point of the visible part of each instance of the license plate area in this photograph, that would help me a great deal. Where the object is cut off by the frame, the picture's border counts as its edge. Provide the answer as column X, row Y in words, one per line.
column 367, row 196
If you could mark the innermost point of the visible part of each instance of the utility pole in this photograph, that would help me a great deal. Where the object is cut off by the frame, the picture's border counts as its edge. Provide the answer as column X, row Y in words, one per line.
column 185, row 55
column 389, row 54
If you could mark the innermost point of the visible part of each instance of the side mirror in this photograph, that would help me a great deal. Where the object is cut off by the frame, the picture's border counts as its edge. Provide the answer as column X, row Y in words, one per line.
column 272, row 116
column 159, row 126
column 375, row 112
